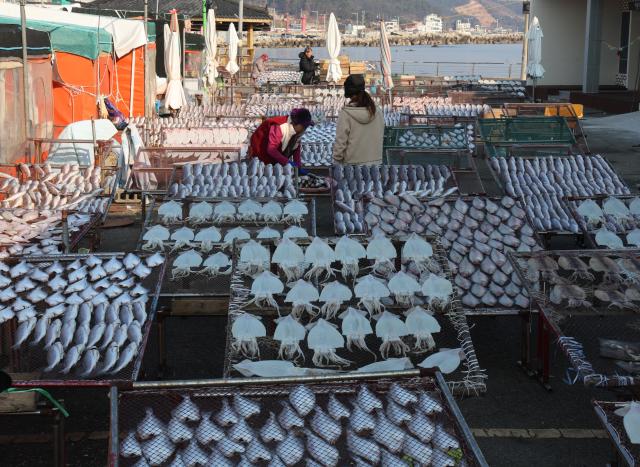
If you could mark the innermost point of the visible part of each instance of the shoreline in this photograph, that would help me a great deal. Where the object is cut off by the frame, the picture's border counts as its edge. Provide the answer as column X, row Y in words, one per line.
column 374, row 41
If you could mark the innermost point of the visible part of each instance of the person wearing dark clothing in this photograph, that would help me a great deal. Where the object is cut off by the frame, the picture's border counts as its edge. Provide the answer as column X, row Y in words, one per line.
column 307, row 66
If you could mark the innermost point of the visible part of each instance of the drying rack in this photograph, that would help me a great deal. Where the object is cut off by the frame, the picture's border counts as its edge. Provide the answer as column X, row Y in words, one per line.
column 550, row 109
column 196, row 285
column 590, row 231
column 451, row 182
column 578, row 329
column 548, row 235
column 127, row 407
column 469, row 378
column 613, row 425
column 30, row 359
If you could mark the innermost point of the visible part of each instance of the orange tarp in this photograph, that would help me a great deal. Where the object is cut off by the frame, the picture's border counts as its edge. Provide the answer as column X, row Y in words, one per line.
column 123, row 73
column 75, row 95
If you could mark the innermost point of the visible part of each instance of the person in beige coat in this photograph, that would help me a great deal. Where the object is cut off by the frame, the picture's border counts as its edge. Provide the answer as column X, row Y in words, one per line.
column 360, row 132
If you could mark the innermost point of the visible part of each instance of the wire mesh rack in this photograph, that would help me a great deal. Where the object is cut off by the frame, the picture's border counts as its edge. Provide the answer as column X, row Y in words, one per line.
column 462, row 165
column 33, row 358
column 554, row 195
column 62, row 234
column 613, row 424
column 394, row 178
column 588, row 300
column 287, row 188
column 500, row 134
column 445, row 221
column 199, row 283
column 161, row 422
column 621, row 224
column 469, row 378
column 427, row 137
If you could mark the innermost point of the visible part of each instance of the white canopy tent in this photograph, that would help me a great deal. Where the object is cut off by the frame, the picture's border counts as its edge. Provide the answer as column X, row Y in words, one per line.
column 127, row 34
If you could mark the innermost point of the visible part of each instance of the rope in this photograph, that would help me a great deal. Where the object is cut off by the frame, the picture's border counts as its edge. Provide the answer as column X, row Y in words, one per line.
column 44, row 393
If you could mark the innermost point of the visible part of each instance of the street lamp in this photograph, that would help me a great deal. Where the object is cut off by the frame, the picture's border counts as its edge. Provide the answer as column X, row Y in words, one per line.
column 356, row 13
column 317, row 19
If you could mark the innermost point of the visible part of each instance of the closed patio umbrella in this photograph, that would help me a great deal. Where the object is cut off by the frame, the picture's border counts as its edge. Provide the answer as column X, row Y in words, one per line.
column 174, row 97
column 385, row 59
column 535, row 70
column 232, row 67
column 334, row 41
column 211, row 43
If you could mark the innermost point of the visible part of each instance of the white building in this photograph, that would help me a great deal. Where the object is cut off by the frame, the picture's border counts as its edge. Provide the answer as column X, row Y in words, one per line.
column 589, row 43
column 432, row 24
column 392, row 26
column 463, row 26
column 355, row 29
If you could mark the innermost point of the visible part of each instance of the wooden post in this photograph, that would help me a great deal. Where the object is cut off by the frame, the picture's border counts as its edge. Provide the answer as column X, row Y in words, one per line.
column 250, row 46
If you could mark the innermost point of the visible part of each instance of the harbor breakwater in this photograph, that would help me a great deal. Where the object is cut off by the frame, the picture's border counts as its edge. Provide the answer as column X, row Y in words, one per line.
column 394, row 40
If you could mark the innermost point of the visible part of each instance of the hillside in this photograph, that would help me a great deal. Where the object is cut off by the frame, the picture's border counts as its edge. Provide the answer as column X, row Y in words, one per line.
column 483, row 12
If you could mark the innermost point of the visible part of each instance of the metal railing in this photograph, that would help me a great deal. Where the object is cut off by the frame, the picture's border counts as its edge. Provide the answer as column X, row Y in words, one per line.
column 504, row 70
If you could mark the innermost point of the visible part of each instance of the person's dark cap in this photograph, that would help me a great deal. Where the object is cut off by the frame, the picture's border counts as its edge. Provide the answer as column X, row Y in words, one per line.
column 301, row 117
column 353, row 85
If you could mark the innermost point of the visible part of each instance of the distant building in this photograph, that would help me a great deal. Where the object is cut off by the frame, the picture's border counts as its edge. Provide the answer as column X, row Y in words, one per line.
column 355, row 29
column 392, row 26
column 463, row 26
column 432, row 24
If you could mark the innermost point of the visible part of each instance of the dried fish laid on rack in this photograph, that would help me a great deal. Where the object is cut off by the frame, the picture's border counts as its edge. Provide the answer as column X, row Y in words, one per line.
column 590, row 300
column 60, row 187
column 543, row 182
column 79, row 317
column 321, row 133
column 340, row 420
column 198, row 235
column 234, row 180
column 620, row 421
column 478, row 233
column 609, row 221
column 317, row 154
column 352, row 182
column 458, row 136
column 278, row 76
column 349, row 304
column 40, row 232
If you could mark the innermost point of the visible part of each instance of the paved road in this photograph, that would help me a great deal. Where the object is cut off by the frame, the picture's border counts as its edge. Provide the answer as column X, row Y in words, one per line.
column 517, row 422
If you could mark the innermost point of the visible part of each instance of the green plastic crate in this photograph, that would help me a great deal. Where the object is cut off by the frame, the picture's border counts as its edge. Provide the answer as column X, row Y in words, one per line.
column 525, row 130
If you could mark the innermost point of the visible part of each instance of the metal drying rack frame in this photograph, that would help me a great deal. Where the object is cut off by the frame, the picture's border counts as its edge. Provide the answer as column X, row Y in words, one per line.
column 547, row 235
column 176, row 175
column 276, row 388
column 485, row 311
column 309, row 223
column 473, row 381
column 133, row 369
column 451, row 182
column 589, row 234
column 550, row 321
column 614, row 427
